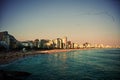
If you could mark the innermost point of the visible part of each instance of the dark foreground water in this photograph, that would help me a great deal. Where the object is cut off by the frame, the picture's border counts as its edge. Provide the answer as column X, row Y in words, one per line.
column 98, row 64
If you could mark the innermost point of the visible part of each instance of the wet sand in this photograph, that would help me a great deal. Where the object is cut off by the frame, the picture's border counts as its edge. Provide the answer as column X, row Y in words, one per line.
column 7, row 57
column 54, row 51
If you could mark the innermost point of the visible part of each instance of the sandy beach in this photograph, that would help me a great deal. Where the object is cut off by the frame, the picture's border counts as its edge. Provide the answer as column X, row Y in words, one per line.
column 7, row 57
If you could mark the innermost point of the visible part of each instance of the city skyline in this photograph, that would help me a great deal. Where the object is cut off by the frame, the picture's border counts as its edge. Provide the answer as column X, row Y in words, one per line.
column 81, row 21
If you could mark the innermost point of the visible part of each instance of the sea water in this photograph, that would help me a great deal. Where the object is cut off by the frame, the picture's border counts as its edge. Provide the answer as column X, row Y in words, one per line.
column 94, row 64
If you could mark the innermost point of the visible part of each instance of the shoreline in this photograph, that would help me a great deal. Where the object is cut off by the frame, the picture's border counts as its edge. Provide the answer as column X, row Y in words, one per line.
column 11, row 56
column 8, row 57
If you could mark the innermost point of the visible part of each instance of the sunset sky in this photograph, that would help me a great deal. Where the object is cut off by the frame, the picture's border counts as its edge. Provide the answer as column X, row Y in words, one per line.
column 94, row 21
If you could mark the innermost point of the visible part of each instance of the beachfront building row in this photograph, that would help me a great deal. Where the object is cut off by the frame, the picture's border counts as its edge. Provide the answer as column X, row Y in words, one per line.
column 89, row 45
column 58, row 43
column 8, row 42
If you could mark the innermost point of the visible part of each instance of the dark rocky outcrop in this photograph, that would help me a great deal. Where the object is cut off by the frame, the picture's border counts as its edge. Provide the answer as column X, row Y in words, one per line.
column 13, row 75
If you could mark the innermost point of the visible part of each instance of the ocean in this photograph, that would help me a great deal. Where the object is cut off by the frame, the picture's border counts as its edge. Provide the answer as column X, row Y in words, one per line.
column 93, row 64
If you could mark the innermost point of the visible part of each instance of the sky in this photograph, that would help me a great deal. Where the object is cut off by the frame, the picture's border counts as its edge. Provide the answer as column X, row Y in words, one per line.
column 93, row 21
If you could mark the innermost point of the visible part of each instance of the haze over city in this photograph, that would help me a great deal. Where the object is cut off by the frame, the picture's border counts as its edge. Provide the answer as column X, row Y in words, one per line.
column 93, row 21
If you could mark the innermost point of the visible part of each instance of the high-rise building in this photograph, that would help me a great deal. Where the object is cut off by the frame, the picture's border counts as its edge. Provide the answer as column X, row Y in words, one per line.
column 8, row 41
column 64, row 42
column 69, row 44
column 58, row 43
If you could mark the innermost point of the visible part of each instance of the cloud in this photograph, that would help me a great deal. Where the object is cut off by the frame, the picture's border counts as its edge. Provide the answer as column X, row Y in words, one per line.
column 98, row 13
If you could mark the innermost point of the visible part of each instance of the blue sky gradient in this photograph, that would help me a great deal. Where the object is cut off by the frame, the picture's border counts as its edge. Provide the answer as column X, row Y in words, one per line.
column 94, row 21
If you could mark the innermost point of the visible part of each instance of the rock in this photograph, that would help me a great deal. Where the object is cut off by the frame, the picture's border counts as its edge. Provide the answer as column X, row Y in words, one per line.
column 13, row 75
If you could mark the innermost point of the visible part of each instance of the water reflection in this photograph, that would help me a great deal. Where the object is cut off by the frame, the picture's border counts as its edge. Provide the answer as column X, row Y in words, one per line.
column 75, row 65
